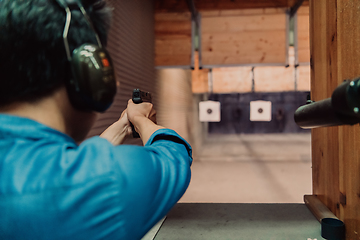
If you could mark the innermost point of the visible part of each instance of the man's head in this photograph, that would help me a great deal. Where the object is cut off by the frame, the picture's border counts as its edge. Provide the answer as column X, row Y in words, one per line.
column 33, row 61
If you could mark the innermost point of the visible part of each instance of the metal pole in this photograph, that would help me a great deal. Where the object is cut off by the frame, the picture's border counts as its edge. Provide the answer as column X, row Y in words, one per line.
column 193, row 11
column 296, row 6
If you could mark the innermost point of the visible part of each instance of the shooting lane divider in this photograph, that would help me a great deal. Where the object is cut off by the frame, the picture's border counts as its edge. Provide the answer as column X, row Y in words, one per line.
column 331, row 227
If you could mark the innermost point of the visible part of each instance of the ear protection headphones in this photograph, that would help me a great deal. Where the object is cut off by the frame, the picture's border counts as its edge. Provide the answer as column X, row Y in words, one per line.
column 93, row 85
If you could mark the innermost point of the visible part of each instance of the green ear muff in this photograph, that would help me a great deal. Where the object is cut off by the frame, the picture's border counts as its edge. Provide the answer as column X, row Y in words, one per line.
column 93, row 85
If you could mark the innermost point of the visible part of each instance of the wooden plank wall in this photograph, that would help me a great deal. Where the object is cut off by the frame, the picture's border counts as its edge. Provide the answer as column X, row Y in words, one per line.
column 173, row 39
column 266, row 79
column 276, row 78
column 303, row 49
column 232, row 80
column 303, row 38
column 335, row 54
column 199, row 77
column 181, row 5
column 237, row 37
column 303, row 78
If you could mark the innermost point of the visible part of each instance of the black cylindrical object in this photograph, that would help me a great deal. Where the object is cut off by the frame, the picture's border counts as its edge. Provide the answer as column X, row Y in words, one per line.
column 332, row 229
column 317, row 114
column 342, row 108
column 346, row 98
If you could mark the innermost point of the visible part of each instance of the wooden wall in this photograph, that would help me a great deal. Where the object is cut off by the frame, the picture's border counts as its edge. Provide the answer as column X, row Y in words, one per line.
column 239, row 37
column 199, row 77
column 181, row 5
column 232, row 79
column 335, row 54
column 274, row 79
column 303, row 35
column 240, row 79
column 173, row 39
column 303, row 78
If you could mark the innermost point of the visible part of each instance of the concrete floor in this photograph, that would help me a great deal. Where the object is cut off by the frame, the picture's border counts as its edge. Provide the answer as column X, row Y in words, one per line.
column 267, row 168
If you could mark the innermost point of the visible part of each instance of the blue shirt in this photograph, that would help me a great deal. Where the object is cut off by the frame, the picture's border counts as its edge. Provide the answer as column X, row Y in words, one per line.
column 52, row 188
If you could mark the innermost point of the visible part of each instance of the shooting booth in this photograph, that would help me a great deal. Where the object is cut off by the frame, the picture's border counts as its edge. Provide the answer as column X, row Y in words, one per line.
column 331, row 30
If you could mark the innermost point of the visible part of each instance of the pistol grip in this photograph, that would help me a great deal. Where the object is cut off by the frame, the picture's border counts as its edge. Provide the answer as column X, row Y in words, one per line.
column 139, row 96
column 134, row 133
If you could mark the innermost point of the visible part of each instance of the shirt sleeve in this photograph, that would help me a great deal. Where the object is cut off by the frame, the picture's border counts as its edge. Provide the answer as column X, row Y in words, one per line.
column 156, row 176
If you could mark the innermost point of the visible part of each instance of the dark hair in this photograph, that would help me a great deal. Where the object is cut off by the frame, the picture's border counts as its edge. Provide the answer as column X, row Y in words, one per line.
column 33, row 61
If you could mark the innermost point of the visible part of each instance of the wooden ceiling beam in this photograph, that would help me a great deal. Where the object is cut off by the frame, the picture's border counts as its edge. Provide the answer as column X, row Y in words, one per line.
column 201, row 5
column 295, row 7
column 194, row 12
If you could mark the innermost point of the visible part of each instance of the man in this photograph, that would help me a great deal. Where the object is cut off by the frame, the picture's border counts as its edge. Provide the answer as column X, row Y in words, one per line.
column 51, row 187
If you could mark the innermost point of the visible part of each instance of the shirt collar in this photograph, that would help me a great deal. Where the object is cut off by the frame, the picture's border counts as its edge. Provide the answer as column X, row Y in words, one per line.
column 20, row 127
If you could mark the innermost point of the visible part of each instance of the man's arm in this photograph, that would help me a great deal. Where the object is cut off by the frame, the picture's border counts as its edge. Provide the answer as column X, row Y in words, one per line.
column 117, row 132
column 156, row 177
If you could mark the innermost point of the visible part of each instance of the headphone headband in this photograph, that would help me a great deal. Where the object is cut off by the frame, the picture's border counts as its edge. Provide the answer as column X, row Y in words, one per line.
column 67, row 9
column 94, row 3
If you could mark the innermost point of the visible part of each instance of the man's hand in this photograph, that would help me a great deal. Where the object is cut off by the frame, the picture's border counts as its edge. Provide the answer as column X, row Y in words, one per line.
column 119, row 130
column 144, row 109
column 143, row 117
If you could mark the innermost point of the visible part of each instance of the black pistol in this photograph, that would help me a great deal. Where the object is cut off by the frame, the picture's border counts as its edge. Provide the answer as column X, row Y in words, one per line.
column 139, row 96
